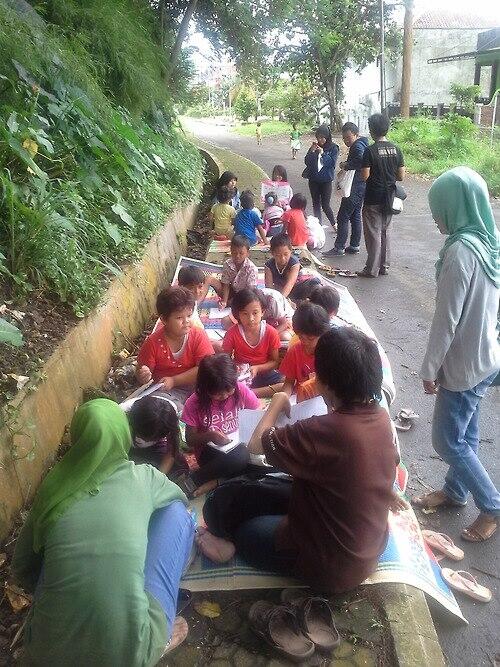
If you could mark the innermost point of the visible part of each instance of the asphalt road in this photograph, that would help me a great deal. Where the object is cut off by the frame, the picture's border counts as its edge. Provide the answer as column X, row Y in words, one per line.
column 399, row 307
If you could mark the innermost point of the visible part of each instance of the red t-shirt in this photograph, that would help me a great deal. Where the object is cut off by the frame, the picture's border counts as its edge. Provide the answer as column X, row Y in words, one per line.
column 295, row 224
column 297, row 365
column 244, row 353
column 157, row 355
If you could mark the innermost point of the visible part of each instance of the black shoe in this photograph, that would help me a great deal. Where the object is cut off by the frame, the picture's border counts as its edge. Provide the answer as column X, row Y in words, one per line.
column 351, row 250
column 334, row 252
column 383, row 272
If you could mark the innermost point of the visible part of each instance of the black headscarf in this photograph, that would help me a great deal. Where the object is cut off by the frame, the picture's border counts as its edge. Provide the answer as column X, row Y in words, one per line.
column 324, row 131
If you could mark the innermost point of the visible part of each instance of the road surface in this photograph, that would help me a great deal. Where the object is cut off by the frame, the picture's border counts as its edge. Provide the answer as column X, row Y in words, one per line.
column 399, row 308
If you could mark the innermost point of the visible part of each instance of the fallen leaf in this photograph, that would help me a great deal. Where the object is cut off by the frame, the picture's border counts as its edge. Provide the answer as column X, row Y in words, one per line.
column 429, row 510
column 208, row 609
column 18, row 599
column 124, row 354
column 31, row 146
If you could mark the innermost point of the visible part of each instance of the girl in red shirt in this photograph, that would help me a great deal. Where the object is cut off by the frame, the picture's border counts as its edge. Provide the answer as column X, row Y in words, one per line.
column 173, row 352
column 294, row 220
column 252, row 341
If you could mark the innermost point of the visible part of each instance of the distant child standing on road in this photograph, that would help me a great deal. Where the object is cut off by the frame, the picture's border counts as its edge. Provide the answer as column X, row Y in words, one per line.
column 247, row 220
column 258, row 134
column 294, row 141
column 222, row 213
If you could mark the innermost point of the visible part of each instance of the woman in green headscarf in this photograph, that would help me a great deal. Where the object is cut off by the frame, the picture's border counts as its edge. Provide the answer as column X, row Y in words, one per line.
column 103, row 549
column 463, row 356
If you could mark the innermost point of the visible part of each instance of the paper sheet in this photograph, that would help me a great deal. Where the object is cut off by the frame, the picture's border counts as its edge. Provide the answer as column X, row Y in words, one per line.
column 250, row 418
column 218, row 314
column 129, row 402
column 235, row 441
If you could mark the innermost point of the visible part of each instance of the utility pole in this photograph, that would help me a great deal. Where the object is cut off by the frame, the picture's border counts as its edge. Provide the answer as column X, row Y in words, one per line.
column 407, row 54
column 382, row 59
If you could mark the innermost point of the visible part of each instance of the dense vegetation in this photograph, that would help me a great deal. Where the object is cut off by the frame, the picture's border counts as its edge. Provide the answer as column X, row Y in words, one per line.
column 91, row 161
column 432, row 146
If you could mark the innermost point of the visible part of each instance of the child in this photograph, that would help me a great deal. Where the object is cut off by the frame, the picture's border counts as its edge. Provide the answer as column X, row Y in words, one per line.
column 279, row 175
column 172, row 353
column 283, row 271
column 238, row 272
column 258, row 133
column 155, row 430
column 222, row 213
column 248, row 220
column 309, row 322
column 194, row 280
column 294, row 220
column 342, row 466
column 211, row 416
column 272, row 215
column 229, row 180
column 252, row 341
column 278, row 312
column 294, row 141
column 328, row 298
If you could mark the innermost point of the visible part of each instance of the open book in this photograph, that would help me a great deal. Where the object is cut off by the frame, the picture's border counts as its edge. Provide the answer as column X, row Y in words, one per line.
column 234, row 442
column 250, row 418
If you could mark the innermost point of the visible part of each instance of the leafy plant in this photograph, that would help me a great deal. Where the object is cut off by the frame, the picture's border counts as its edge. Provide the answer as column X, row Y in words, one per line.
column 465, row 96
column 10, row 334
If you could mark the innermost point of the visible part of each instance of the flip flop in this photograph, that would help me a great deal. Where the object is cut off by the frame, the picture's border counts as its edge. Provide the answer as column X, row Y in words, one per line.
column 423, row 501
column 315, row 618
column 442, row 543
column 472, row 534
column 465, row 583
column 404, row 419
column 278, row 626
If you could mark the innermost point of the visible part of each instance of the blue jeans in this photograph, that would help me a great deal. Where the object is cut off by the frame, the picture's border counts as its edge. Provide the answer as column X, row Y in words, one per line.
column 455, row 437
column 349, row 211
column 170, row 539
column 255, row 543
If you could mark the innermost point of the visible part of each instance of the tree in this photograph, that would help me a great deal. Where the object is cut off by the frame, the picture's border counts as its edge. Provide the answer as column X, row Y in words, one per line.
column 328, row 35
column 407, row 54
column 245, row 105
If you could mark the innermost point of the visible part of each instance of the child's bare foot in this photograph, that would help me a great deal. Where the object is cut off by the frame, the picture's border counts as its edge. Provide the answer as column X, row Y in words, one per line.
column 435, row 499
column 215, row 548
column 179, row 633
column 484, row 527
column 205, row 488
column 398, row 504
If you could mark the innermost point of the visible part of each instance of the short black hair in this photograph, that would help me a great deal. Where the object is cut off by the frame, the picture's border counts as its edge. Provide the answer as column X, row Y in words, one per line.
column 327, row 297
column 225, row 178
column 310, row 319
column 348, row 362
column 190, row 275
column 224, row 194
column 378, row 125
column 154, row 418
column 172, row 299
column 279, row 170
column 279, row 241
column 350, row 127
column 245, row 296
column 240, row 241
column 298, row 201
column 247, row 199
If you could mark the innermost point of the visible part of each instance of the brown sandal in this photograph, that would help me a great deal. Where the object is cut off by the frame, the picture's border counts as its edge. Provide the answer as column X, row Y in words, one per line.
column 278, row 626
column 480, row 531
column 436, row 499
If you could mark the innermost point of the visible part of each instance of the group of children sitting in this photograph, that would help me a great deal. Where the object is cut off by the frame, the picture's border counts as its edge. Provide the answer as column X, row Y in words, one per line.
column 206, row 384
column 236, row 213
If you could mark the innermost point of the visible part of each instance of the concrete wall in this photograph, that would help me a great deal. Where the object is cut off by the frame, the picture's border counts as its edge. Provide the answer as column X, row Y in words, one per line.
column 37, row 418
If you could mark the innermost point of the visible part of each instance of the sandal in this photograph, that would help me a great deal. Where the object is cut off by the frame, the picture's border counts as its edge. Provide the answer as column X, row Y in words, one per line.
column 480, row 531
column 442, row 543
column 278, row 626
column 436, row 499
column 465, row 583
column 404, row 419
column 315, row 617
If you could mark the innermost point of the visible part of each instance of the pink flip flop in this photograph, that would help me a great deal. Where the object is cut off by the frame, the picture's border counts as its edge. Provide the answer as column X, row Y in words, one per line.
column 465, row 583
column 442, row 543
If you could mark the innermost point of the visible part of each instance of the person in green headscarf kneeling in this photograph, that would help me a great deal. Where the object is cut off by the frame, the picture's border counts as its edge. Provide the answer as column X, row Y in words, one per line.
column 103, row 549
column 463, row 353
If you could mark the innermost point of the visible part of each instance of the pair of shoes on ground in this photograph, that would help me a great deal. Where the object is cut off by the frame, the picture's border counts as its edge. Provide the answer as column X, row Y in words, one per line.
column 340, row 252
column 366, row 274
column 296, row 628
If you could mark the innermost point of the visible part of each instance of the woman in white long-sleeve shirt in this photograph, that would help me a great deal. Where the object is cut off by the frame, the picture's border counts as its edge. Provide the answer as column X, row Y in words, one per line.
column 463, row 355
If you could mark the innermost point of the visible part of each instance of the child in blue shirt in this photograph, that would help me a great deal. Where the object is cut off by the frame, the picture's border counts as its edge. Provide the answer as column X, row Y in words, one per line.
column 247, row 220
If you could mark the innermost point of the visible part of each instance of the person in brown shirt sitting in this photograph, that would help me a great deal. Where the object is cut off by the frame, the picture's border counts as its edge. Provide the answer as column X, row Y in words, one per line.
column 343, row 467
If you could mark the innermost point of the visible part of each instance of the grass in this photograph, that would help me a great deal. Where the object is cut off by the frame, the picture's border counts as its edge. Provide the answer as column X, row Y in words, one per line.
column 270, row 128
column 432, row 146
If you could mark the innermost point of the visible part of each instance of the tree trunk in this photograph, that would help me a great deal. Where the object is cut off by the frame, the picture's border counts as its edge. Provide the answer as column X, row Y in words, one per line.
column 181, row 33
column 331, row 94
column 407, row 54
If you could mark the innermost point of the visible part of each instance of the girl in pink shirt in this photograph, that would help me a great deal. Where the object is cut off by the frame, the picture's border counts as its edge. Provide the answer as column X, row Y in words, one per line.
column 211, row 418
